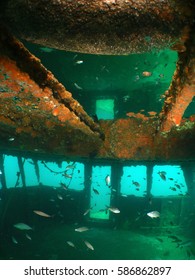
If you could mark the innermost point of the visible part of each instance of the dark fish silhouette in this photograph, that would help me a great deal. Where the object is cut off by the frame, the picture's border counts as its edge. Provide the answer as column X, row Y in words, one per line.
column 162, row 175
column 136, row 184
column 96, row 191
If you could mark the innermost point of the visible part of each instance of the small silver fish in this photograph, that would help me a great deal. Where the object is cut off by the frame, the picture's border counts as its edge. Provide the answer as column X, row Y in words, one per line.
column 75, row 56
column 86, row 212
column 63, row 186
column 70, row 166
column 71, row 244
column 42, row 214
column 81, row 229
column 114, row 210
column 67, row 175
column 79, row 62
column 22, row 226
column 14, row 240
column 77, row 86
column 89, row 245
column 45, row 49
column 60, row 197
column 28, row 236
column 107, row 179
column 153, row 214
column 124, row 195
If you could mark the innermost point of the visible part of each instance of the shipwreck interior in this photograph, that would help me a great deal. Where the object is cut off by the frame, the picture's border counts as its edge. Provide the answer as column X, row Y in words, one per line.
column 97, row 120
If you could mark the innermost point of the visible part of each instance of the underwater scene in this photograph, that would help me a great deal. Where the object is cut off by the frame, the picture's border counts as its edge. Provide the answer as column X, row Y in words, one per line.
column 97, row 129
column 87, row 210
column 99, row 208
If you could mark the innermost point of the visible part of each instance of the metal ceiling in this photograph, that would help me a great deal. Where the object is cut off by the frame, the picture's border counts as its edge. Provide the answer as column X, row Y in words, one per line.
column 39, row 116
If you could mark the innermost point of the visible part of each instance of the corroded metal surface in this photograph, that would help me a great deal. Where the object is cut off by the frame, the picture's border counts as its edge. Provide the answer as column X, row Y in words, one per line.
column 135, row 139
column 182, row 88
column 37, row 114
column 31, row 65
column 98, row 26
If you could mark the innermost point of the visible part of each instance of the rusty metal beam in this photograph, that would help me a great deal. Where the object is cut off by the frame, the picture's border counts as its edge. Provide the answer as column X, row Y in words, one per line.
column 136, row 140
column 34, row 119
column 98, row 26
column 38, row 115
column 36, row 111
column 130, row 139
column 182, row 89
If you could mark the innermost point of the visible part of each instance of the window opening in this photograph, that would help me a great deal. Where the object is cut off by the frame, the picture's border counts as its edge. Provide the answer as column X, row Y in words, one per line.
column 168, row 180
column 133, row 181
column 100, row 192
column 105, row 109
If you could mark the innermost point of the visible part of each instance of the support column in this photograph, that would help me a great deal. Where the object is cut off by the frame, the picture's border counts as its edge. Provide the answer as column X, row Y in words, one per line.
column 2, row 176
column 21, row 168
column 149, row 180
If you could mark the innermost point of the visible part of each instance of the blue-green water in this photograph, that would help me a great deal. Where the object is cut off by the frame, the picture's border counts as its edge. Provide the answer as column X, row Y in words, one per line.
column 76, row 195
column 111, row 86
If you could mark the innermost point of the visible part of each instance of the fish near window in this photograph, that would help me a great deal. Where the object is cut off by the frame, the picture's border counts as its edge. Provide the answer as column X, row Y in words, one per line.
column 137, row 80
column 168, row 180
column 134, row 181
column 100, row 192
column 68, row 175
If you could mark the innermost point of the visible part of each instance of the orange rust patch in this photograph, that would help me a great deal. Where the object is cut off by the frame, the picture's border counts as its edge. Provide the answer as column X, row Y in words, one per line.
column 36, row 119
column 152, row 113
column 183, row 99
column 137, row 116
column 56, row 111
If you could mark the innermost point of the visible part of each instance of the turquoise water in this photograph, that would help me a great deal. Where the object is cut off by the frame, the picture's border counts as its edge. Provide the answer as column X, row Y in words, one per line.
column 115, row 79
column 76, row 195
